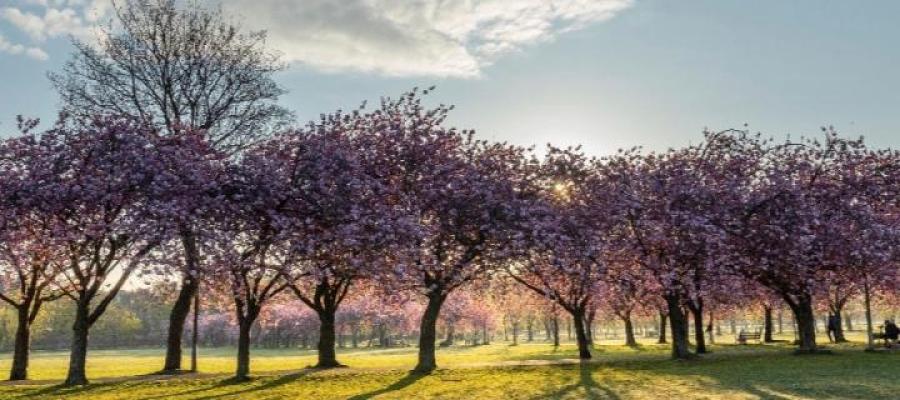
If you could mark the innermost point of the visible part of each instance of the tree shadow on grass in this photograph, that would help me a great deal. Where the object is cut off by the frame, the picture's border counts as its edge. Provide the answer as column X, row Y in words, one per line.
column 280, row 381
column 408, row 380
column 63, row 390
column 592, row 389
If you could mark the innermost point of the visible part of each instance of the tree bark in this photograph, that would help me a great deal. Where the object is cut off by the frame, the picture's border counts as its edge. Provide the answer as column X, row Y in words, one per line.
column 870, row 339
column 177, row 317
column 806, row 323
column 767, row 324
column 581, row 336
column 19, row 370
column 699, row 337
column 555, row 331
column 629, row 331
column 839, row 325
column 78, row 352
column 428, row 333
column 678, row 323
column 589, row 326
column 182, row 306
column 662, row 327
column 515, row 333
column 243, row 354
column 327, row 355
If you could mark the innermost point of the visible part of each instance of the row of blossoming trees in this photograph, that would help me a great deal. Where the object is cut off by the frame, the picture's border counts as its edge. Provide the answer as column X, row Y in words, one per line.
column 393, row 199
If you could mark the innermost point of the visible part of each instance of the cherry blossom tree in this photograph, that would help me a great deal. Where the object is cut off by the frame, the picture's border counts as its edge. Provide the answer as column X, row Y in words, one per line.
column 568, row 252
column 29, row 264
column 100, row 200
column 463, row 195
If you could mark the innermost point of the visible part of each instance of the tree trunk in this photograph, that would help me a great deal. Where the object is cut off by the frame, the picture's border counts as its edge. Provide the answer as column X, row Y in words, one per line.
column 678, row 323
column 486, row 334
column 848, row 320
column 806, row 323
column 428, row 333
column 451, row 332
column 78, row 352
column 838, row 325
column 589, row 326
column 555, row 331
column 699, row 336
column 780, row 321
column 327, row 355
column 529, row 330
column 19, row 370
column 584, row 351
column 662, row 327
column 767, row 324
column 515, row 333
column 870, row 340
column 629, row 331
column 243, row 353
column 182, row 306
column 195, row 332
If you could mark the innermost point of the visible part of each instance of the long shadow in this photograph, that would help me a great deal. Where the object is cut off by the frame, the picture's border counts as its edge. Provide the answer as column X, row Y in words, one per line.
column 282, row 380
column 592, row 390
column 413, row 377
column 62, row 390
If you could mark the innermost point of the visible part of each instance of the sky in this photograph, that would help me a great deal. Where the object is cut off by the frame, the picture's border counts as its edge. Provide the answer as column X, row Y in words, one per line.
column 605, row 74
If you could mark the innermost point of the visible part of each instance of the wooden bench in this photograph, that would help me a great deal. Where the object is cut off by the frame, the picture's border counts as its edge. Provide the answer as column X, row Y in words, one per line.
column 743, row 337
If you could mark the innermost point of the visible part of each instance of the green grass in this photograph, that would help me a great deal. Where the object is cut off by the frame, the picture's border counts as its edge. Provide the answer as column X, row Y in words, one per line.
column 489, row 372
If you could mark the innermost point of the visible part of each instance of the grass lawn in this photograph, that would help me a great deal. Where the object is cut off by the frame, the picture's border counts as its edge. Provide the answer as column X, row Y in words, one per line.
column 497, row 371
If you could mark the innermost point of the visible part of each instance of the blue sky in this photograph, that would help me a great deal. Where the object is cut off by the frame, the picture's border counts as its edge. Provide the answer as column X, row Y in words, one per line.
column 602, row 73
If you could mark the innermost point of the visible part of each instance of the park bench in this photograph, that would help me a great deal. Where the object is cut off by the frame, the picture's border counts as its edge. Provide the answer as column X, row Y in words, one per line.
column 743, row 337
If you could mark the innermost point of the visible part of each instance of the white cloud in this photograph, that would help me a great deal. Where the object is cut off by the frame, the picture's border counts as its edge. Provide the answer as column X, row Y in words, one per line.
column 415, row 37
column 15, row 49
column 55, row 22
column 452, row 38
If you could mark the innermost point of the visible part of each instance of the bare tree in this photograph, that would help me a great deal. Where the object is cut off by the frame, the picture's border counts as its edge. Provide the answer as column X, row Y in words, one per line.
column 178, row 68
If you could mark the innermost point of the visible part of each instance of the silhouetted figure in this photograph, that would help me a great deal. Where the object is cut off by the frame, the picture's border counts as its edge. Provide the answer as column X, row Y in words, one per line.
column 832, row 327
column 891, row 332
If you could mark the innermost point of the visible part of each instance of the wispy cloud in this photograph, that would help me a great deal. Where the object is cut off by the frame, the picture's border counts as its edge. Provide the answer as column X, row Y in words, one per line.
column 415, row 37
column 447, row 38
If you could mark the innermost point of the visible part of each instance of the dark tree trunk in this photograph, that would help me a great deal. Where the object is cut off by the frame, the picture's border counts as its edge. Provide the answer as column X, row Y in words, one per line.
column 780, row 321
column 448, row 340
column 78, row 352
column 243, row 353
column 662, row 327
column 515, row 333
column 589, row 325
column 555, row 331
column 177, row 317
column 678, row 323
column 19, row 370
column 806, row 323
column 182, row 306
column 327, row 355
column 767, row 324
column 486, row 334
column 699, row 337
column 629, row 330
column 529, row 330
column 581, row 336
column 428, row 333
column 839, row 325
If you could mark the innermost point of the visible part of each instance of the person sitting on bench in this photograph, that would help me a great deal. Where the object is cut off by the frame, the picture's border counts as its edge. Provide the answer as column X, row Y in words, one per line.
column 891, row 332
